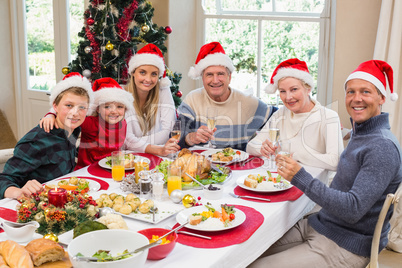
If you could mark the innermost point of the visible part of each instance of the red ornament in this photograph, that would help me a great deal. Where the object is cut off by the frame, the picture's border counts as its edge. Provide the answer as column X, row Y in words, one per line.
column 168, row 29
column 179, row 94
column 90, row 21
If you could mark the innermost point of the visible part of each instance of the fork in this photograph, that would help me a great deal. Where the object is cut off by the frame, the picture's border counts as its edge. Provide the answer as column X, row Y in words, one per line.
column 250, row 197
column 246, row 161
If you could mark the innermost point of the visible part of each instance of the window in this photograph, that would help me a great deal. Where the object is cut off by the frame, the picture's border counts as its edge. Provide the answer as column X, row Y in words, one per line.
column 264, row 33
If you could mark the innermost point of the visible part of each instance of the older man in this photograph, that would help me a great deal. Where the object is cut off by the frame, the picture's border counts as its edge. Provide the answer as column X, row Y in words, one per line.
column 340, row 235
column 239, row 116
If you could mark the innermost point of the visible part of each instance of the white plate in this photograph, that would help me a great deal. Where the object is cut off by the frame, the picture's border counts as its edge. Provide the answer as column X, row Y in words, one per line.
column 182, row 217
column 236, row 158
column 94, row 186
column 240, row 182
column 138, row 158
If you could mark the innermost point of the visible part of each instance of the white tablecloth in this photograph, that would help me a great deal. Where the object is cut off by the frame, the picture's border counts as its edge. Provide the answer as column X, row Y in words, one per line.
column 278, row 218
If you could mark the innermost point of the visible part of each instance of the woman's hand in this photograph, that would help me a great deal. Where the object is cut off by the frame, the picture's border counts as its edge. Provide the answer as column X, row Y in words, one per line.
column 287, row 167
column 48, row 122
column 32, row 186
column 267, row 148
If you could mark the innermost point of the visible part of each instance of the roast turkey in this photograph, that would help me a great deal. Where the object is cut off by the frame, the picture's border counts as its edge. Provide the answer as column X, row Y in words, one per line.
column 193, row 164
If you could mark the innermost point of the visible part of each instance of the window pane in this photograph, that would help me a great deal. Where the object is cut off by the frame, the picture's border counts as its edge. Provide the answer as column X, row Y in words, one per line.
column 264, row 5
column 315, row 6
column 76, row 23
column 40, row 39
column 239, row 39
column 284, row 40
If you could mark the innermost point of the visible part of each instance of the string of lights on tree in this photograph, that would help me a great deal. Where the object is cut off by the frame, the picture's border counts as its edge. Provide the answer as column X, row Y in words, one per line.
column 114, row 30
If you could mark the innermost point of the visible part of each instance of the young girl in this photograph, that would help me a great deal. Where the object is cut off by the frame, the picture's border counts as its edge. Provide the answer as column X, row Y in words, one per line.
column 43, row 156
column 149, row 124
column 105, row 130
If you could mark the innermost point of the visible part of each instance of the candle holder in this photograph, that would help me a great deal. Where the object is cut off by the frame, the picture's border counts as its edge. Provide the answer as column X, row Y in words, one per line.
column 57, row 197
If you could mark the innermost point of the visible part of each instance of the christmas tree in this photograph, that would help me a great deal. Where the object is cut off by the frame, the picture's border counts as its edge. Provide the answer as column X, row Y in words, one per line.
column 114, row 30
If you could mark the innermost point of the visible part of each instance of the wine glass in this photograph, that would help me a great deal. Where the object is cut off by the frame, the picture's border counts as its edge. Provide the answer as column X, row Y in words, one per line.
column 211, row 122
column 176, row 133
column 273, row 135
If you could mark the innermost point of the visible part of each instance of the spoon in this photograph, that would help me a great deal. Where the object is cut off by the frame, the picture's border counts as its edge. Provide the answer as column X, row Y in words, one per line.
column 191, row 177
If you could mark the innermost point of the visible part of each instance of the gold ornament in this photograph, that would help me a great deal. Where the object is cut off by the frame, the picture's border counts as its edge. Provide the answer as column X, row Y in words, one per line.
column 145, row 28
column 66, row 70
column 109, row 46
column 25, row 205
column 188, row 200
column 51, row 236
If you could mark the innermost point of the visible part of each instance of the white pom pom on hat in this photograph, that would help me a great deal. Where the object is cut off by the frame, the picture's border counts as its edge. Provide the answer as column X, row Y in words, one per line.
column 211, row 54
column 289, row 68
column 374, row 71
column 72, row 79
column 150, row 54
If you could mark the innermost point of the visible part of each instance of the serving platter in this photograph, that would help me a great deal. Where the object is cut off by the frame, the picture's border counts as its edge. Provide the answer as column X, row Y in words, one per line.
column 237, row 157
column 183, row 216
column 279, row 186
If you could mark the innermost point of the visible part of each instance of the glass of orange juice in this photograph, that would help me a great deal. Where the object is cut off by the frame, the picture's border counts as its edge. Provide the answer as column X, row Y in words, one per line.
column 118, row 165
column 173, row 178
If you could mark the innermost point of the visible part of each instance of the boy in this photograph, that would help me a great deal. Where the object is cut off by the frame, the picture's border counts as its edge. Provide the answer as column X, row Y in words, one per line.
column 39, row 156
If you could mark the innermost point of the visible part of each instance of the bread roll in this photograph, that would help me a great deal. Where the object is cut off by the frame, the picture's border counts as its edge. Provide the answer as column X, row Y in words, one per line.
column 44, row 250
column 251, row 183
column 195, row 219
column 3, row 263
column 15, row 255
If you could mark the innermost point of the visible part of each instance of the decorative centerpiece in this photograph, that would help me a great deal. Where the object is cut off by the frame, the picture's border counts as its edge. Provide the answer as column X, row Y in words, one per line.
column 78, row 208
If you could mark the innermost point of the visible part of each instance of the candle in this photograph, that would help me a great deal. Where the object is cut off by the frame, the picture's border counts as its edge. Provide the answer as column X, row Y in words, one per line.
column 57, row 197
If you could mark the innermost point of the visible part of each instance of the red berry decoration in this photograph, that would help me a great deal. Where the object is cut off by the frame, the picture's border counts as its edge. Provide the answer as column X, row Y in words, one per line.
column 90, row 21
column 179, row 94
column 168, row 29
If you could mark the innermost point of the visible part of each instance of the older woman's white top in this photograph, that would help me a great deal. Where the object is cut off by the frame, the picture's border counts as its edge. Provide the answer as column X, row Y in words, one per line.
column 315, row 136
column 159, row 134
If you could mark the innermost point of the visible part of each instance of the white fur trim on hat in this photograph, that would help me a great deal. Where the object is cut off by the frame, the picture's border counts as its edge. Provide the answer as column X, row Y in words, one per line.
column 112, row 94
column 369, row 78
column 289, row 72
column 216, row 59
column 164, row 82
column 146, row 59
column 73, row 81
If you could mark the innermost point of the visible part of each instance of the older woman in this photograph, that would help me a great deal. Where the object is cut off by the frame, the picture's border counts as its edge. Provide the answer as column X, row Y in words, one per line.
column 313, row 130
column 149, row 124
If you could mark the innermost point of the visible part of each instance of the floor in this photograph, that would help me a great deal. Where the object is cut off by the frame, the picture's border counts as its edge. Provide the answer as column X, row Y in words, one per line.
column 389, row 259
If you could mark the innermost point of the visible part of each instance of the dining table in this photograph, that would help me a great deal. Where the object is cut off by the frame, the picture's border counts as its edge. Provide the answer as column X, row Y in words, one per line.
column 275, row 218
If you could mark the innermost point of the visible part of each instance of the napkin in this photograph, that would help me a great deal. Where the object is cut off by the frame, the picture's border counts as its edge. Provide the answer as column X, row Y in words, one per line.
column 229, row 237
column 291, row 194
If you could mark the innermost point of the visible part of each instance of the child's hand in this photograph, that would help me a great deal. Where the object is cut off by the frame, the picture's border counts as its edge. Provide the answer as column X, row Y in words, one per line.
column 32, row 186
column 48, row 122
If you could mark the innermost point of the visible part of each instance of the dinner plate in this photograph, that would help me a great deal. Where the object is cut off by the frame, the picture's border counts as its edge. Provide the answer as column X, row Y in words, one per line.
column 94, row 186
column 236, row 157
column 281, row 186
column 182, row 217
column 137, row 158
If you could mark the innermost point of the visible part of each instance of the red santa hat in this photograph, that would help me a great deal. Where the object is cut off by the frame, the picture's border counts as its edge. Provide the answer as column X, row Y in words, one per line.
column 211, row 54
column 73, row 79
column 108, row 90
column 374, row 71
column 150, row 55
column 290, row 68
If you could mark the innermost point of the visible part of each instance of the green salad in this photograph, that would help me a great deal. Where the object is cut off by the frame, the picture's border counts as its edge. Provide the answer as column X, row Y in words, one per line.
column 104, row 255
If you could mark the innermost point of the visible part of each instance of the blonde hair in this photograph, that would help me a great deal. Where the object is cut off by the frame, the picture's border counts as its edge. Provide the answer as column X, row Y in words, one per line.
column 150, row 109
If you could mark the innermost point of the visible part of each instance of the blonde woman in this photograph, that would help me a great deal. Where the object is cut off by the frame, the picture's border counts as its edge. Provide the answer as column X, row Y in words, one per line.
column 149, row 125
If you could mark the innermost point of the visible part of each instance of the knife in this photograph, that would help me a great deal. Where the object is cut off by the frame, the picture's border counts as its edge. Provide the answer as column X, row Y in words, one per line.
column 246, row 161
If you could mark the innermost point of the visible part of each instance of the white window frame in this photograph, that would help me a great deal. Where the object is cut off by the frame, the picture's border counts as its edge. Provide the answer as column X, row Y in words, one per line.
column 326, row 41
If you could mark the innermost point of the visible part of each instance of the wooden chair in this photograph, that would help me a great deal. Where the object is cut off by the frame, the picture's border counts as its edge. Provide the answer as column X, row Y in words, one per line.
column 5, row 154
column 375, row 244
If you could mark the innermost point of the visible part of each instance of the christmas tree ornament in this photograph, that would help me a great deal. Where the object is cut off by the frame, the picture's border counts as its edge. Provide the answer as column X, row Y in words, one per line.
column 188, row 200
column 145, row 28
column 109, row 46
column 87, row 73
column 90, row 21
column 66, row 70
column 88, row 49
column 51, row 236
column 179, row 94
column 176, row 196
column 168, row 29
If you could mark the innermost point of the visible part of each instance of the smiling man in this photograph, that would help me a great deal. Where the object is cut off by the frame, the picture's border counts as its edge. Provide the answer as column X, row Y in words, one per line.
column 370, row 167
column 238, row 116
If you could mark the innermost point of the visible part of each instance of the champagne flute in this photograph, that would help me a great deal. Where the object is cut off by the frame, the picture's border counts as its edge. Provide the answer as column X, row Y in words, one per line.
column 176, row 134
column 211, row 122
column 273, row 135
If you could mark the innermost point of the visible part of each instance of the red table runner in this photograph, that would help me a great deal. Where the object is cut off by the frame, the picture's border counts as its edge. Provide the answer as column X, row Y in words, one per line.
column 104, row 185
column 291, row 194
column 8, row 214
column 220, row 239
column 96, row 170
column 255, row 163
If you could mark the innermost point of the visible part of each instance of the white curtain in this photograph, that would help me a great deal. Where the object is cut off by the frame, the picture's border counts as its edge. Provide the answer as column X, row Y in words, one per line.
column 388, row 47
